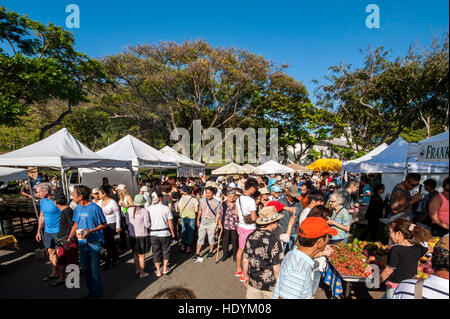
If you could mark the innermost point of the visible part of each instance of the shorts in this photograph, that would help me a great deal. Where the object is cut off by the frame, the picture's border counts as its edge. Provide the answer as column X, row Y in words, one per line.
column 49, row 240
column 69, row 255
column 204, row 230
column 140, row 245
column 243, row 234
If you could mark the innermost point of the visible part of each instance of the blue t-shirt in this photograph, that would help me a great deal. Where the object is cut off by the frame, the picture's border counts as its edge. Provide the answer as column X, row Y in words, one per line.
column 89, row 217
column 52, row 215
column 367, row 189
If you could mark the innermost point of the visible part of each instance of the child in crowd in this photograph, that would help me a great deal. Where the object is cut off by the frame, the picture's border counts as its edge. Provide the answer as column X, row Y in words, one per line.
column 405, row 254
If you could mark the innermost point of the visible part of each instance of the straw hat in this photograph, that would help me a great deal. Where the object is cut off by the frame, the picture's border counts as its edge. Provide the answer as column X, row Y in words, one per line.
column 268, row 215
column 264, row 191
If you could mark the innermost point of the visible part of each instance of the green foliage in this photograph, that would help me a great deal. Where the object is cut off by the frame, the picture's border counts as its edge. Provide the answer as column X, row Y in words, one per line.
column 41, row 64
column 385, row 98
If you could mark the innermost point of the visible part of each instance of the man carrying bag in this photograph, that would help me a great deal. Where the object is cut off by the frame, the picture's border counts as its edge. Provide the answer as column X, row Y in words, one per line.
column 207, row 222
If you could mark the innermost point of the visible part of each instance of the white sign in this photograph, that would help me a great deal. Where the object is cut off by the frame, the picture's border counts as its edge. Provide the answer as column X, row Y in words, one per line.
column 433, row 152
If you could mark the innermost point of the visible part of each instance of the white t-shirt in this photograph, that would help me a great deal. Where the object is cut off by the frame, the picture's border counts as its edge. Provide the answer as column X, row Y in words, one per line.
column 303, row 215
column 434, row 287
column 159, row 219
column 248, row 205
column 111, row 212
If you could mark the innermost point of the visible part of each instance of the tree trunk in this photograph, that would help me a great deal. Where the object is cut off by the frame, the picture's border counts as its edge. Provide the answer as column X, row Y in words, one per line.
column 58, row 121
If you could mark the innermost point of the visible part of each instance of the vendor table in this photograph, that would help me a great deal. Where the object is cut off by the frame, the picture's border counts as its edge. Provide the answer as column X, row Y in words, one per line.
column 335, row 280
column 10, row 210
column 8, row 241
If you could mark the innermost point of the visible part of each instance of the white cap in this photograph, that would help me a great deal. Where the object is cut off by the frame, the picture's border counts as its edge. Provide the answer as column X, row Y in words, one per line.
column 121, row 186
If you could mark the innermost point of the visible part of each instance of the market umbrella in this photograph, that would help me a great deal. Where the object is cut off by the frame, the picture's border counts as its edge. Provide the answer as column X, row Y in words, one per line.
column 298, row 168
column 229, row 169
column 326, row 165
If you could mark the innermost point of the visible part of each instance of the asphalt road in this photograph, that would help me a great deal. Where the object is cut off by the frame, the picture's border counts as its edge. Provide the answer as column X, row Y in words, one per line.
column 22, row 279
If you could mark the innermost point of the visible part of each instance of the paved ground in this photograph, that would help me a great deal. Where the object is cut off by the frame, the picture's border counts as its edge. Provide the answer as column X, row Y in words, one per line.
column 22, row 279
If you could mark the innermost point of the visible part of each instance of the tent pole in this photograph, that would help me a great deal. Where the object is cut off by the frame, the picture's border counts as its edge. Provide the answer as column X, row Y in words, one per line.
column 33, row 199
column 64, row 185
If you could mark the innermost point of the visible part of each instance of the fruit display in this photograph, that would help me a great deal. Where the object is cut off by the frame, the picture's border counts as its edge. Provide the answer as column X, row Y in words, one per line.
column 424, row 267
column 352, row 259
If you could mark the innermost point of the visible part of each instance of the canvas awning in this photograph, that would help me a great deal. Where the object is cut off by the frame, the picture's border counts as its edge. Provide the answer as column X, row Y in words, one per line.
column 139, row 153
column 186, row 166
column 272, row 167
column 353, row 165
column 12, row 174
column 229, row 169
column 60, row 150
column 299, row 168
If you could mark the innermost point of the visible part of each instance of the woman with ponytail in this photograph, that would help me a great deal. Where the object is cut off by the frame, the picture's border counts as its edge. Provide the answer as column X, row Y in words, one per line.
column 405, row 254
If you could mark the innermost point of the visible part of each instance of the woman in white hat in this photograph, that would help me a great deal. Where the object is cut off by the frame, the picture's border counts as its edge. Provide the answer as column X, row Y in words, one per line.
column 138, row 221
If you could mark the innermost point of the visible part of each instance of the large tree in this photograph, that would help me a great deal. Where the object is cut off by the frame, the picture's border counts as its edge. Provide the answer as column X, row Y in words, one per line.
column 38, row 64
column 387, row 98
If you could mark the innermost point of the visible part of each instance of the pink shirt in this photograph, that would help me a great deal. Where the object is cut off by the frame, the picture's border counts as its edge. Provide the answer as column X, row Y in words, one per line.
column 443, row 211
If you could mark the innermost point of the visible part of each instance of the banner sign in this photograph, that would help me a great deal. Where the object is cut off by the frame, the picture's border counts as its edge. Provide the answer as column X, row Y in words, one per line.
column 433, row 152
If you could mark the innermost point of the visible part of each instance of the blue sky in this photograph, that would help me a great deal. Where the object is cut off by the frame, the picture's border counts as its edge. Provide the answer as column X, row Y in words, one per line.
column 310, row 36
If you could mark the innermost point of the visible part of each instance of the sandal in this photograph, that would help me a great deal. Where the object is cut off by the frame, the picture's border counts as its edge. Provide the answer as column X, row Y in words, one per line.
column 144, row 275
column 56, row 283
column 48, row 278
column 166, row 272
column 158, row 275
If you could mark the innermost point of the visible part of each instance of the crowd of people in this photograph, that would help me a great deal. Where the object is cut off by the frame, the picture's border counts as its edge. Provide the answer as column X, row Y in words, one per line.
column 281, row 229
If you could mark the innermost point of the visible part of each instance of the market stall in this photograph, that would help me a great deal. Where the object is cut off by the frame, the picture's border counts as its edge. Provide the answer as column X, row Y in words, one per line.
column 11, row 209
column 250, row 169
column 59, row 151
column 186, row 167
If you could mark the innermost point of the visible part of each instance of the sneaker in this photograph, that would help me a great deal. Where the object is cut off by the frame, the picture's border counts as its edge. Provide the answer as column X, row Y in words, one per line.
column 196, row 256
column 199, row 260
column 210, row 254
column 242, row 278
column 238, row 273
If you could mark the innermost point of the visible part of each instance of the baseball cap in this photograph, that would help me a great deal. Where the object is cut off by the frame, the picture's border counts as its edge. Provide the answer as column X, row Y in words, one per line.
column 121, row 186
column 276, row 189
column 332, row 185
column 94, row 190
column 144, row 189
column 315, row 227
column 278, row 178
column 264, row 191
column 278, row 206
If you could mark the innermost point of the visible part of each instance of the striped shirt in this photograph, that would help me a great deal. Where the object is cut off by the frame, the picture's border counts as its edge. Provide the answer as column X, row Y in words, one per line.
column 296, row 277
column 434, row 288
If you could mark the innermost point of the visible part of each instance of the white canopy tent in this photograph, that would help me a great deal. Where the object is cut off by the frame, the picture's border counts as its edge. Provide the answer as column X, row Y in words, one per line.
column 139, row 153
column 229, row 169
column 431, row 155
column 59, row 151
column 186, row 166
column 11, row 174
column 272, row 167
column 353, row 165
column 250, row 169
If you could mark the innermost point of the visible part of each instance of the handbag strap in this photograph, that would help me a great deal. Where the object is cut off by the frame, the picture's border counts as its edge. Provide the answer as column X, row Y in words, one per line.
column 418, row 289
column 212, row 211
column 181, row 211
